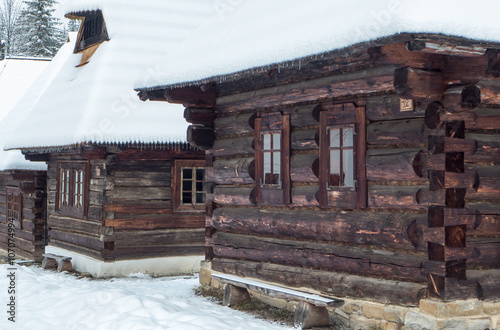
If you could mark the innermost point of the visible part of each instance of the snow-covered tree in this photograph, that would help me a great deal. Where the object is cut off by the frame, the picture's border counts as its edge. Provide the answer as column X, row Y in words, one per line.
column 40, row 30
column 74, row 25
column 10, row 11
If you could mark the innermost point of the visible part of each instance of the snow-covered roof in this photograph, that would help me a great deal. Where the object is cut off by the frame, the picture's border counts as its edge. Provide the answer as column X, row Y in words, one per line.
column 16, row 76
column 96, row 103
column 257, row 33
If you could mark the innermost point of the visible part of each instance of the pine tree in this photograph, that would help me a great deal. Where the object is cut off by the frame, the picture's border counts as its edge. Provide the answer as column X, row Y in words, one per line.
column 42, row 36
column 73, row 25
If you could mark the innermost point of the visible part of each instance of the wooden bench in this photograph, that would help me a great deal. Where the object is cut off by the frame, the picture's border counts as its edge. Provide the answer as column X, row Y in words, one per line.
column 311, row 311
column 53, row 261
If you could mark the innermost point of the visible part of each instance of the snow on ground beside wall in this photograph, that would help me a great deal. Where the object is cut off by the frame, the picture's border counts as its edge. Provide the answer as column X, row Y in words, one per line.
column 50, row 300
column 255, row 33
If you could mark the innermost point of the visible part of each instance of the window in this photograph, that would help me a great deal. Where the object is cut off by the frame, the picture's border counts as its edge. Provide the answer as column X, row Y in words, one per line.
column 272, row 158
column 73, row 180
column 189, row 185
column 14, row 206
column 342, row 172
column 92, row 31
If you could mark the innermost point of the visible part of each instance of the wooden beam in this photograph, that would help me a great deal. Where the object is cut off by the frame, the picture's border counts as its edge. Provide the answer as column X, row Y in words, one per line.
column 434, row 47
column 200, row 116
column 418, row 84
column 201, row 137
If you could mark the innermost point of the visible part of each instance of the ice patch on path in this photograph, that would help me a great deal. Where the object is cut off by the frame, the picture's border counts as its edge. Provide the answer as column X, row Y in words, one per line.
column 50, row 300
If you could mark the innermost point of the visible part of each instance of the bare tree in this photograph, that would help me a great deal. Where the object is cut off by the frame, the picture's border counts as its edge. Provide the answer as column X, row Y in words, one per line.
column 10, row 11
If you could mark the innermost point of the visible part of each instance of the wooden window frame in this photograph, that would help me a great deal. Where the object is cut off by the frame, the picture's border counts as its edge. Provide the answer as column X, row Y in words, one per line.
column 265, row 192
column 75, row 169
column 92, row 31
column 14, row 193
column 177, row 181
column 338, row 116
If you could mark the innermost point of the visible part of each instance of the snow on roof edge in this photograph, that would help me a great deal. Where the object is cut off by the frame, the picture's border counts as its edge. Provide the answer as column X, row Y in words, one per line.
column 292, row 62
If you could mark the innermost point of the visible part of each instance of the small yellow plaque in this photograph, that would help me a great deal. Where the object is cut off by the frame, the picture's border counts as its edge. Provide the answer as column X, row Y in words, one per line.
column 407, row 105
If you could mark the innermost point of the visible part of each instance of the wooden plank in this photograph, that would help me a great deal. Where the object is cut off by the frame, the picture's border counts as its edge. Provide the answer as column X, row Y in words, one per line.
column 393, row 165
column 396, row 230
column 398, row 133
column 441, row 48
column 160, row 222
column 87, row 241
column 234, row 147
column 330, row 283
column 144, row 207
column 141, row 193
column 302, row 168
column 277, row 291
column 137, row 252
column 159, row 237
column 233, row 195
column 69, row 224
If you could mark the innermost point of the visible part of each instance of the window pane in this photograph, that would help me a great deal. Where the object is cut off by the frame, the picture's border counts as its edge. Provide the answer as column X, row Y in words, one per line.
column 187, row 198
column 267, row 162
column 200, row 174
column 267, row 142
column 277, row 163
column 334, row 138
column 335, row 162
column 348, row 137
column 200, row 198
column 277, row 141
column 348, row 168
column 187, row 173
column 187, row 185
column 199, row 186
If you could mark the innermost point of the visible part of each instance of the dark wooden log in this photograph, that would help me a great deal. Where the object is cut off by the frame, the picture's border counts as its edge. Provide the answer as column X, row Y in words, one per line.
column 302, row 116
column 444, row 217
column 388, row 107
column 233, row 195
column 461, row 98
column 490, row 91
column 304, row 140
column 443, row 144
column 191, row 96
column 234, row 171
column 159, row 237
column 239, row 123
column 77, row 225
column 200, row 137
column 489, row 282
column 94, row 153
column 443, row 180
column 398, row 230
column 419, row 84
column 336, row 284
column 400, row 133
column 153, row 156
column 35, row 157
column 397, row 197
column 159, row 222
column 483, row 253
column 135, row 252
column 354, row 260
column 459, row 70
column 489, row 183
column 488, row 225
column 305, row 195
column 83, row 240
column 302, row 168
column 449, row 289
column 234, row 147
column 365, row 82
column 398, row 54
column 493, row 63
column 200, row 116
column 441, row 48
column 392, row 165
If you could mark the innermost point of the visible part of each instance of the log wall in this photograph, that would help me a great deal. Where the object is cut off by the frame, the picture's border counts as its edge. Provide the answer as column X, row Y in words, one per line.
column 432, row 215
column 28, row 240
column 130, row 212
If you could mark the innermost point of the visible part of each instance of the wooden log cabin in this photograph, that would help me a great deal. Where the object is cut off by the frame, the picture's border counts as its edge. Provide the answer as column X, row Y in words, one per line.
column 368, row 171
column 22, row 184
column 125, row 192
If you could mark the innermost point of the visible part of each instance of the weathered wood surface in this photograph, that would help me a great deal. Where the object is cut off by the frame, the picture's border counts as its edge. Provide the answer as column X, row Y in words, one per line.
column 339, row 258
column 365, row 82
column 444, row 48
column 392, row 165
column 419, row 84
column 158, row 222
column 235, row 147
column 234, row 171
column 398, row 132
column 159, row 237
column 388, row 107
column 399, row 230
column 140, row 252
column 489, row 282
column 331, row 283
column 399, row 197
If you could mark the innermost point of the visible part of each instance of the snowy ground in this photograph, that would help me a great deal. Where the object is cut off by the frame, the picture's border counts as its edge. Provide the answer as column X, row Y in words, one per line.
column 50, row 300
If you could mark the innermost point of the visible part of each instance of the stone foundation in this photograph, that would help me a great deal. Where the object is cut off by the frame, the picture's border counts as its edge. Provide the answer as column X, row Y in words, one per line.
column 431, row 314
